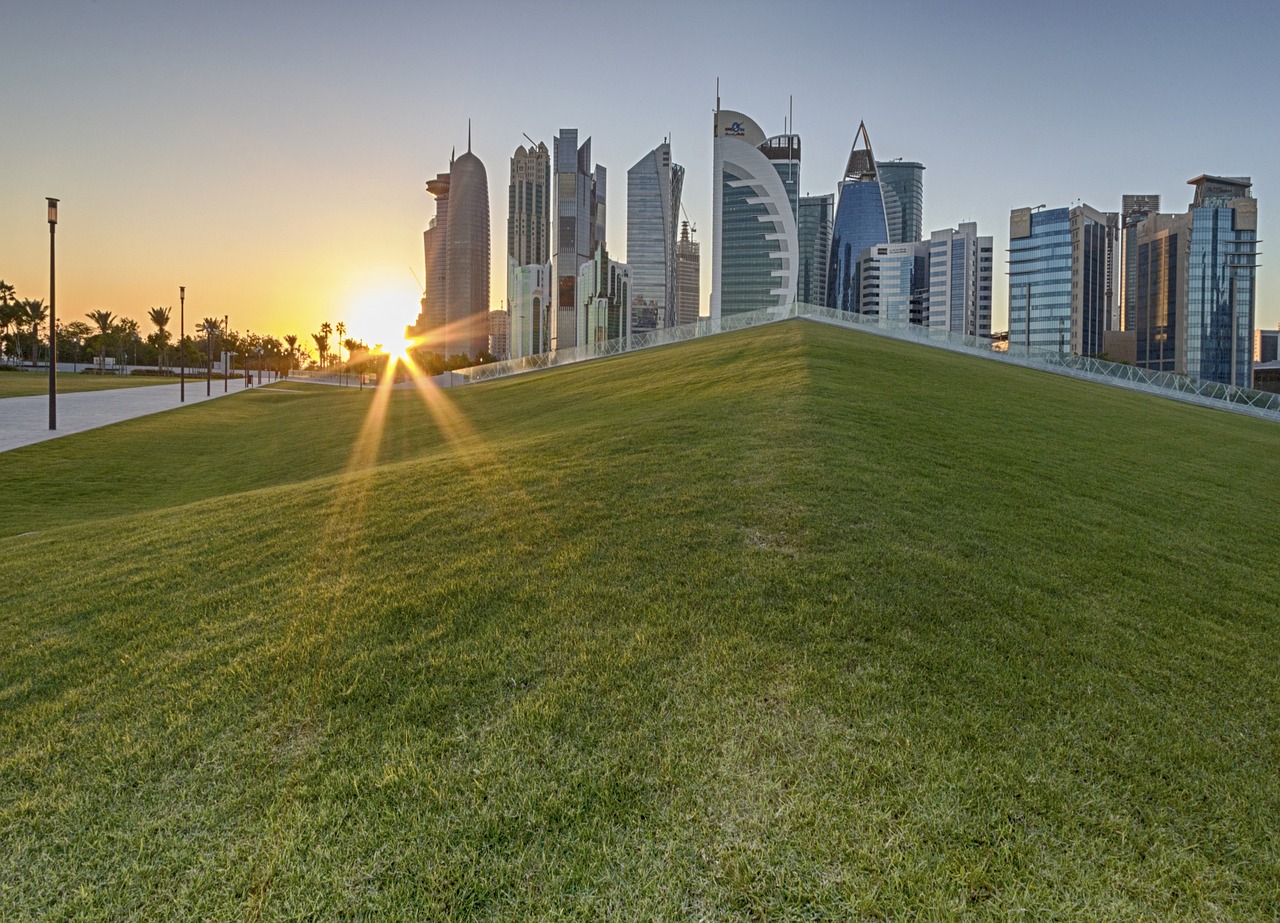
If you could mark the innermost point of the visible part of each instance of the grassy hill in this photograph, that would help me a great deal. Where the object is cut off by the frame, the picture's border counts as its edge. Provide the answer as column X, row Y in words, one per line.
column 792, row 623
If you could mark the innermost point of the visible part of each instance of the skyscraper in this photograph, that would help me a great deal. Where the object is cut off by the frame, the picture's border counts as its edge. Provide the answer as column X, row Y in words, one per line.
column 467, row 258
column 1062, row 278
column 455, row 304
column 529, row 249
column 653, row 214
column 1194, row 293
column 895, row 283
column 816, row 214
column 860, row 223
column 529, row 205
column 577, row 231
column 1133, row 208
column 688, row 277
column 903, row 182
column 604, row 285
column 960, row 281
column 755, row 245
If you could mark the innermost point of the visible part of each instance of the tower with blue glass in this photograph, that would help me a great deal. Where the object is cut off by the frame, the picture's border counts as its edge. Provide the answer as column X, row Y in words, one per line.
column 860, row 222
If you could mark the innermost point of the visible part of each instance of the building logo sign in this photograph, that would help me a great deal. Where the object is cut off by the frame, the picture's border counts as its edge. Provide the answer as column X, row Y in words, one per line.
column 735, row 130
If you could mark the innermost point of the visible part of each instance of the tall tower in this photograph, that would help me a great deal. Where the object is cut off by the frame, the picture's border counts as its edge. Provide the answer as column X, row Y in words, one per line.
column 688, row 277
column 755, row 259
column 816, row 214
column 467, row 257
column 1133, row 208
column 960, row 273
column 653, row 212
column 578, row 228
column 432, row 319
column 529, row 250
column 903, row 183
column 860, row 223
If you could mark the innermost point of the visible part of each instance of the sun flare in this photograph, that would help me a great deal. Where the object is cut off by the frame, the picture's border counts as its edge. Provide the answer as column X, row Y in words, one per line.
column 381, row 307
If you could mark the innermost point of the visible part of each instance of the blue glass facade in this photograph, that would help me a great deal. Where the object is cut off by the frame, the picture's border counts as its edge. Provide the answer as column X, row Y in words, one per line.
column 1220, row 297
column 1040, row 283
column 860, row 223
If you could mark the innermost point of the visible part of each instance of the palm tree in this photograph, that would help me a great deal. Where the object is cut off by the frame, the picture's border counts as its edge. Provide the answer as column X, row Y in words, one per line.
column 10, row 313
column 160, row 318
column 327, row 329
column 292, row 340
column 35, row 314
column 127, row 331
column 104, row 319
column 341, row 330
column 322, row 343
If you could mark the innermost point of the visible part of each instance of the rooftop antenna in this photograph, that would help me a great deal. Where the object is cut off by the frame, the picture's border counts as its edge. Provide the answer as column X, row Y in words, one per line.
column 717, row 94
column 468, row 136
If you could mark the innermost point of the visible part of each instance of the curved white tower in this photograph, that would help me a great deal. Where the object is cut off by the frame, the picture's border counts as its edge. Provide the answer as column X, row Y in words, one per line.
column 755, row 249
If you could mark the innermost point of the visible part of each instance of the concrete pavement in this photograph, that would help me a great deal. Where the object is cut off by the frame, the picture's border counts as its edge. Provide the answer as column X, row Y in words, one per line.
column 25, row 420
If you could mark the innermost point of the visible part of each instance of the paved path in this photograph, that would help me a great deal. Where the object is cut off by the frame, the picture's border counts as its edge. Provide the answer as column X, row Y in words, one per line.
column 25, row 420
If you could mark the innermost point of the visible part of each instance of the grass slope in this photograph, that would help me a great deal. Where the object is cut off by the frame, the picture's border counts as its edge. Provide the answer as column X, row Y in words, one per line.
column 25, row 384
column 794, row 623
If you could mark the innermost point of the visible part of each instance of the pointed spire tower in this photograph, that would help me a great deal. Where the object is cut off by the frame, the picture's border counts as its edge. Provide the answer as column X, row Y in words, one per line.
column 861, row 167
column 861, row 222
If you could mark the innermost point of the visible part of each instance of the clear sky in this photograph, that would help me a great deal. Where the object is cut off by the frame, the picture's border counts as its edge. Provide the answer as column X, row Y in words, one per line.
column 272, row 156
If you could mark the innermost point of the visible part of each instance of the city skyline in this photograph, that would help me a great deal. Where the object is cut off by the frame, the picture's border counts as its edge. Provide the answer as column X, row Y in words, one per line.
column 219, row 148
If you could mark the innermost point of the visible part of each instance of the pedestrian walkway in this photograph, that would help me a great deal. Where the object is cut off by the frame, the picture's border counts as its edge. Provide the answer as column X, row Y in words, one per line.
column 25, row 420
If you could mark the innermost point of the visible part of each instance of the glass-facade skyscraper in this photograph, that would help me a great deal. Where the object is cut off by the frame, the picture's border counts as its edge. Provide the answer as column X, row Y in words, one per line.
column 755, row 245
column 529, row 249
column 577, row 228
column 1061, row 278
column 816, row 217
column 688, row 277
column 1194, row 284
column 860, row 222
column 904, row 181
column 895, row 283
column 653, row 216
column 1133, row 208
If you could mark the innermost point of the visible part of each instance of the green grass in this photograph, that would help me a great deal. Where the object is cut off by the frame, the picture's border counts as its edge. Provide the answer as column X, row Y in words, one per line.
column 790, row 624
column 24, row 384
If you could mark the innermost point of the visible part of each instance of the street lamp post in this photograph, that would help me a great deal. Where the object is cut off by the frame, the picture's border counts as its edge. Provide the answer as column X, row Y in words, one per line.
column 53, row 320
column 75, row 359
column 226, row 365
column 182, row 343
column 208, row 361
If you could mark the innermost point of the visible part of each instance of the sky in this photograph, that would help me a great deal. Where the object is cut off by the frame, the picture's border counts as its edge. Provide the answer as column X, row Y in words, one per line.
column 272, row 157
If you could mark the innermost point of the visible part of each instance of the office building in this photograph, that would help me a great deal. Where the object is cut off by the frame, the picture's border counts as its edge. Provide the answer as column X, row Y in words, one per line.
column 894, row 283
column 529, row 302
column 755, row 244
column 860, row 222
column 903, row 184
column 1194, row 284
column 1266, row 345
column 960, row 281
column 688, row 277
column 1062, row 271
column 1133, row 208
column 529, row 205
column 529, row 250
column 817, row 213
column 500, row 334
column 579, row 193
column 455, row 314
column 653, row 215
column 604, row 286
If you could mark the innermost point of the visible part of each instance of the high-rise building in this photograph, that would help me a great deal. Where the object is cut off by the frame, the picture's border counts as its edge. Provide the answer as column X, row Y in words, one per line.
column 688, row 277
column 903, row 183
column 529, row 205
column 500, row 334
column 604, row 285
column 816, row 216
column 1266, row 345
column 577, row 229
column 894, row 280
column 755, row 244
column 529, row 250
column 1133, row 208
column 1194, row 284
column 860, row 223
column 529, row 297
column 1062, row 278
column 960, row 281
column 455, row 314
column 653, row 215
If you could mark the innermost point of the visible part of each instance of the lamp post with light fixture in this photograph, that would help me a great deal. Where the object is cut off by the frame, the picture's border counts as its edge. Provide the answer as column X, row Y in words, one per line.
column 182, row 343
column 53, row 320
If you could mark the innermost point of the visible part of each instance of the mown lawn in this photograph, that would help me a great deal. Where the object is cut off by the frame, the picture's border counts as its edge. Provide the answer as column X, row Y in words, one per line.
column 793, row 623
column 25, row 384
